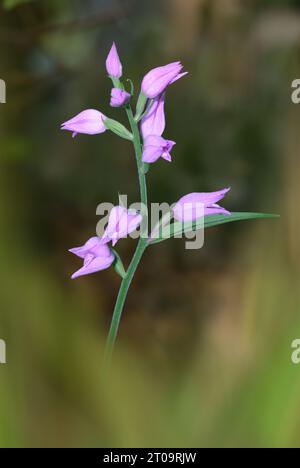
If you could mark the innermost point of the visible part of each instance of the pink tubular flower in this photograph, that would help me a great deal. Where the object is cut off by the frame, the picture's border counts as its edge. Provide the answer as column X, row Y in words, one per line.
column 121, row 222
column 156, row 147
column 197, row 204
column 90, row 122
column 119, row 97
column 156, row 80
column 113, row 63
column 97, row 256
column 154, row 122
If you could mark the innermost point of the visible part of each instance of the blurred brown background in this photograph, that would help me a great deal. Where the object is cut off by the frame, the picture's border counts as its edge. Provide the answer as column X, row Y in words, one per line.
column 203, row 356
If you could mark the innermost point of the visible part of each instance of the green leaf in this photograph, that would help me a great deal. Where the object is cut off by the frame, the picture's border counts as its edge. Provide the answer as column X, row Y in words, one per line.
column 118, row 129
column 142, row 100
column 131, row 86
column 209, row 221
column 145, row 168
column 146, row 112
column 118, row 265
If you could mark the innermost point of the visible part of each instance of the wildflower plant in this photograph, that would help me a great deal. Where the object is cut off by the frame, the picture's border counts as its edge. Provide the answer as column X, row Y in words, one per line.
column 194, row 211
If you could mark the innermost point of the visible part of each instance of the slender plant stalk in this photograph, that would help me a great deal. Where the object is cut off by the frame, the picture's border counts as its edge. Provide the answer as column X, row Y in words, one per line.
column 141, row 246
column 138, row 155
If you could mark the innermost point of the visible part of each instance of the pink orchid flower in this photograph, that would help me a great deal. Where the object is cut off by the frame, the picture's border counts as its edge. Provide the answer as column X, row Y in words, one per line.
column 90, row 122
column 154, row 122
column 156, row 147
column 121, row 223
column 119, row 97
column 194, row 205
column 113, row 63
column 156, row 80
column 96, row 255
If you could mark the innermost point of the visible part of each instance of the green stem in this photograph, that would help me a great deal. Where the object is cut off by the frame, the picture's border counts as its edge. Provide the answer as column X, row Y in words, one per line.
column 138, row 155
column 141, row 246
column 113, row 331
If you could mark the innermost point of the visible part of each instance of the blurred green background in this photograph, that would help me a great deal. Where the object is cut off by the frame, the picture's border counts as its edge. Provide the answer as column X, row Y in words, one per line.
column 204, row 351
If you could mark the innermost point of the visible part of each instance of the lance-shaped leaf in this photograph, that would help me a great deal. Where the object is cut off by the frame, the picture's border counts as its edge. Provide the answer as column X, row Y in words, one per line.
column 177, row 228
column 118, row 264
column 140, row 107
column 118, row 129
